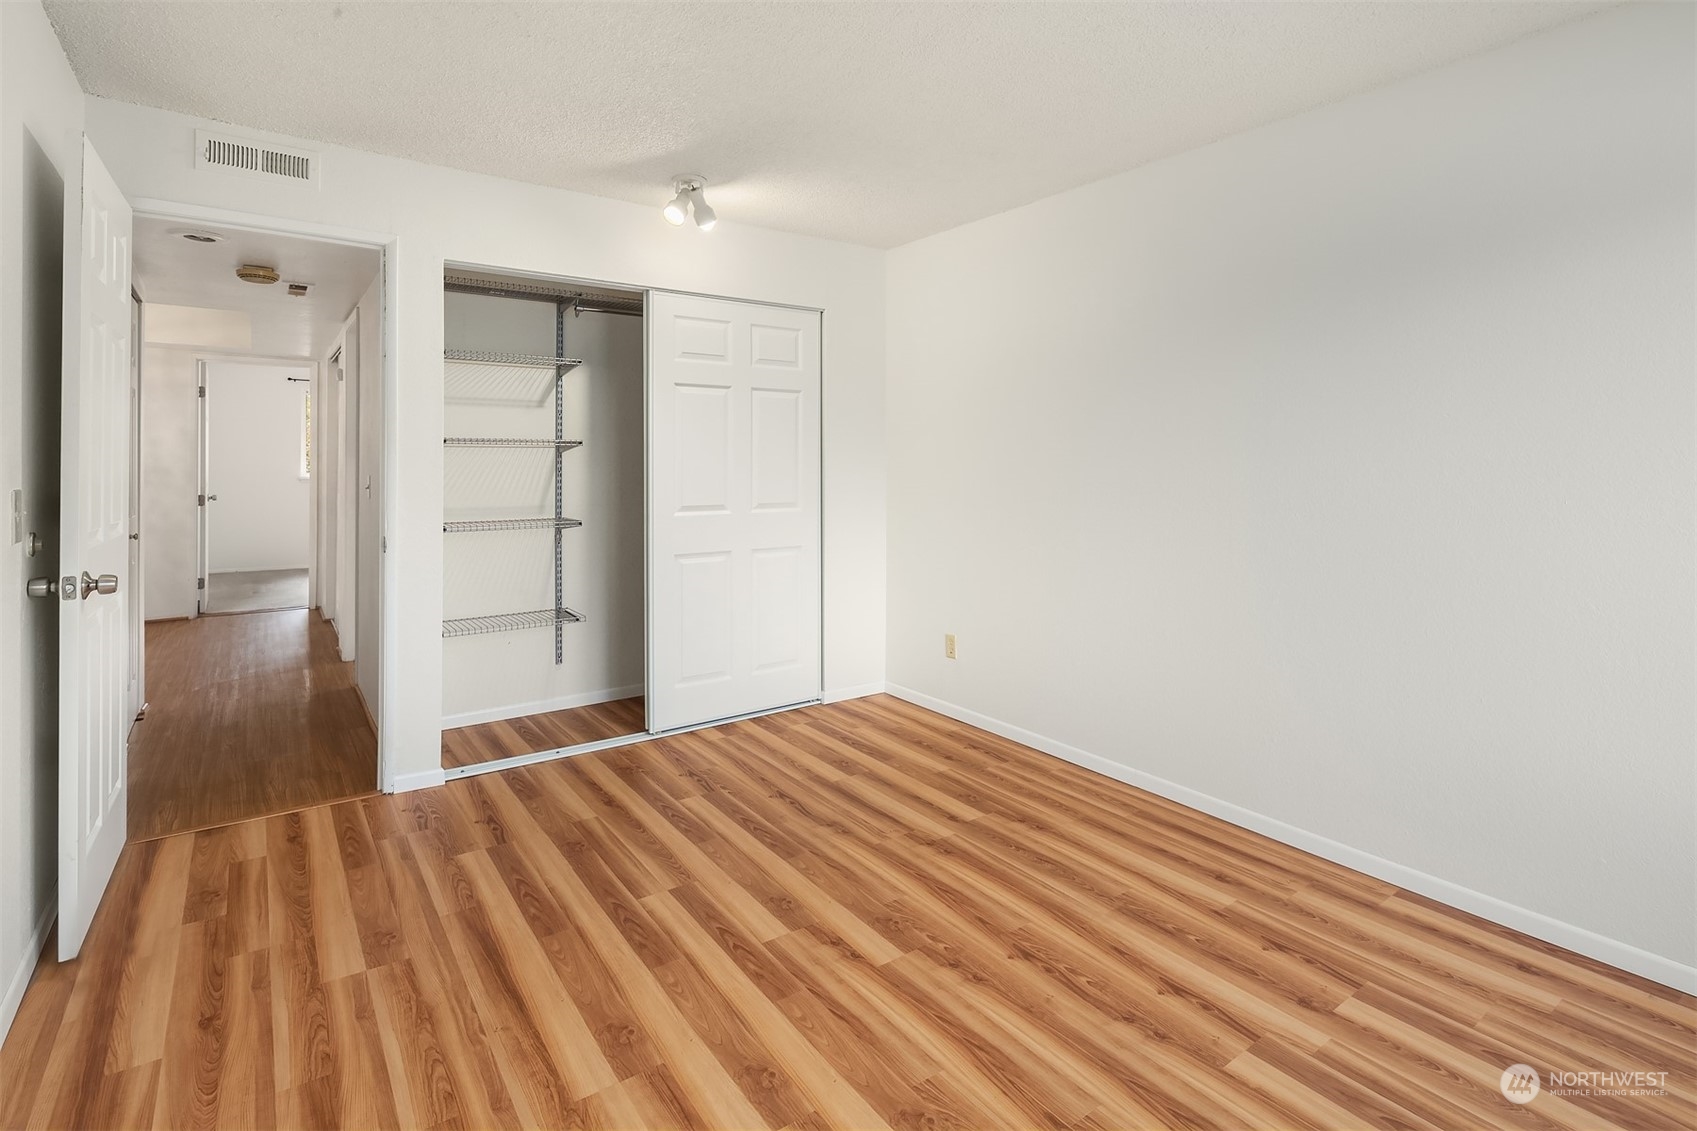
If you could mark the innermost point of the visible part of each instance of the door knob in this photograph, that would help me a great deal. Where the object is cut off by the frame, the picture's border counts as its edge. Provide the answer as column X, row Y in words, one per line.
column 105, row 583
column 40, row 587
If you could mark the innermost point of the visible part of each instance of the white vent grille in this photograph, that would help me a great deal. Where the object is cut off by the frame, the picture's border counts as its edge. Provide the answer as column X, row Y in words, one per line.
column 254, row 159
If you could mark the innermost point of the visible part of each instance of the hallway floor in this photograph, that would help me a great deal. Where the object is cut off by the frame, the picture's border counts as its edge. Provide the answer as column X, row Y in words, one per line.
column 257, row 590
column 247, row 716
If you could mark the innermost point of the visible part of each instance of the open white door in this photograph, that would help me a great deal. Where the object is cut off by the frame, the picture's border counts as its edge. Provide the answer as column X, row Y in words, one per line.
column 733, row 509
column 94, row 550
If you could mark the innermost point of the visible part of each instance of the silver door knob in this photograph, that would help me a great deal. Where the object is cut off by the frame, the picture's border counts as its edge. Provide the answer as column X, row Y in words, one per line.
column 105, row 583
column 40, row 587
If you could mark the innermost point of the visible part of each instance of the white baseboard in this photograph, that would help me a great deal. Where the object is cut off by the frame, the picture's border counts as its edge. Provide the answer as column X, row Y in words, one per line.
column 423, row 779
column 19, row 981
column 1540, row 926
column 540, row 707
column 860, row 692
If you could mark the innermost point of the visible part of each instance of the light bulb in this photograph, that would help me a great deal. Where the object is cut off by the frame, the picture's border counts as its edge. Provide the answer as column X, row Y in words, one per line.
column 677, row 209
column 705, row 217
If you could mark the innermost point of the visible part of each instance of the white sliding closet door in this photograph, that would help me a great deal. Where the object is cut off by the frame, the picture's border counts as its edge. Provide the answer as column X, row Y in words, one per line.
column 733, row 509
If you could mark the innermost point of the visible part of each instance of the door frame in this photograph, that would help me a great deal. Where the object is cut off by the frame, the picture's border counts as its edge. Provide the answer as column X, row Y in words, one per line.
column 648, row 291
column 387, row 246
column 203, row 517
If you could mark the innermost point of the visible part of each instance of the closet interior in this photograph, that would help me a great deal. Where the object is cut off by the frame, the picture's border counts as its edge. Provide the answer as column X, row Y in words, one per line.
column 543, row 568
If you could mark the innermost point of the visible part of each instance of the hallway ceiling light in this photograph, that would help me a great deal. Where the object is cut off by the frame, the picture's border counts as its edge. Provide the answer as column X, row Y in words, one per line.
column 689, row 199
column 253, row 273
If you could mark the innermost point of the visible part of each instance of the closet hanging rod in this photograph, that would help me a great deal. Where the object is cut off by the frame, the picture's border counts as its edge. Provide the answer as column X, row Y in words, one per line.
column 582, row 308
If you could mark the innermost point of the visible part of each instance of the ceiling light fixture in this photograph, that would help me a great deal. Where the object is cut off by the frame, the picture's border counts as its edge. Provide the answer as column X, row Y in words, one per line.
column 677, row 209
column 689, row 199
column 705, row 217
column 253, row 273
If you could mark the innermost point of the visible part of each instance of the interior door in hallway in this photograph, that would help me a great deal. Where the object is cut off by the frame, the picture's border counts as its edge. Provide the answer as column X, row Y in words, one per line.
column 733, row 509
column 94, row 653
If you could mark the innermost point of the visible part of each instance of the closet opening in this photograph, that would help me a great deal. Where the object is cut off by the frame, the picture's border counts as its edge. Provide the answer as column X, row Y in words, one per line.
column 544, row 638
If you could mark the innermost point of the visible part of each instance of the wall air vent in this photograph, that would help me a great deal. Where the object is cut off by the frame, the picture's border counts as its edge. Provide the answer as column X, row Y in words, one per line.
column 254, row 158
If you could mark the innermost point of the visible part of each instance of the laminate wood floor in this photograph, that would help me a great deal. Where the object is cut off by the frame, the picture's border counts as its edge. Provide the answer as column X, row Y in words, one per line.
column 851, row 916
column 533, row 734
column 247, row 715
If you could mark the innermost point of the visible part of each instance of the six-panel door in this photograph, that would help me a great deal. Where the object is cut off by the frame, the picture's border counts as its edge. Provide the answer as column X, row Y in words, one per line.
column 733, row 509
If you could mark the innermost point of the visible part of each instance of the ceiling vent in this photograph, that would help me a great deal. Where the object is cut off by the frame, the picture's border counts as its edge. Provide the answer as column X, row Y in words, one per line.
column 254, row 158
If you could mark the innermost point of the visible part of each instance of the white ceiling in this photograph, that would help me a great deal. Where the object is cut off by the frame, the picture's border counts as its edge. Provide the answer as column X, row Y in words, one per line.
column 869, row 122
column 172, row 270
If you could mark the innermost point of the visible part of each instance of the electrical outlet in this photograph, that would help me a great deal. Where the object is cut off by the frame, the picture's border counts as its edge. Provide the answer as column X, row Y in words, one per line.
column 949, row 645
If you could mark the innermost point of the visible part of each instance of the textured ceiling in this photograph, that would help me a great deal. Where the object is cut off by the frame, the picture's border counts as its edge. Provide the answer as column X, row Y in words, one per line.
column 868, row 122
column 179, row 272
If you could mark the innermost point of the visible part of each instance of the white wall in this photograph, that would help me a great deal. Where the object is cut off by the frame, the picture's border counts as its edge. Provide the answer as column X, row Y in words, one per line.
column 1342, row 471
column 506, row 674
column 262, row 518
column 41, row 117
column 437, row 215
column 170, row 479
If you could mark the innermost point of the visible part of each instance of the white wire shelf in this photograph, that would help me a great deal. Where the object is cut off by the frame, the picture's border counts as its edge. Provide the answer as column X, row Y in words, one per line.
column 526, row 360
column 508, row 442
column 468, row 526
column 509, row 622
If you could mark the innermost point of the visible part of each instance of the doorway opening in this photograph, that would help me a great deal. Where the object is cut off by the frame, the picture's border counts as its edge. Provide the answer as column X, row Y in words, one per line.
column 258, row 459
column 256, row 529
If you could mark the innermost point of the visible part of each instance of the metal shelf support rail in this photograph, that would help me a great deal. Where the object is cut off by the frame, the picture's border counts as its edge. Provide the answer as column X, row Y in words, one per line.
column 561, row 368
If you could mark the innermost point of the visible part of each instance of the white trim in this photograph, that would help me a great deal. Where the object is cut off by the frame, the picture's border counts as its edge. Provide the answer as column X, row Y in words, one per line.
column 26, row 966
column 1577, row 939
column 258, row 222
column 553, row 755
column 539, row 707
column 423, row 779
column 859, row 692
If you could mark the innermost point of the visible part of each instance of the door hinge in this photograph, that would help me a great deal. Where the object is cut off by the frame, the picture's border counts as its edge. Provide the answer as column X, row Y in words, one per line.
column 200, row 583
column 202, row 393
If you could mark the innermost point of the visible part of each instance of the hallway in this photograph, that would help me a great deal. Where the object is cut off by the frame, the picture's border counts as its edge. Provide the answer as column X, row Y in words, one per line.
column 248, row 715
